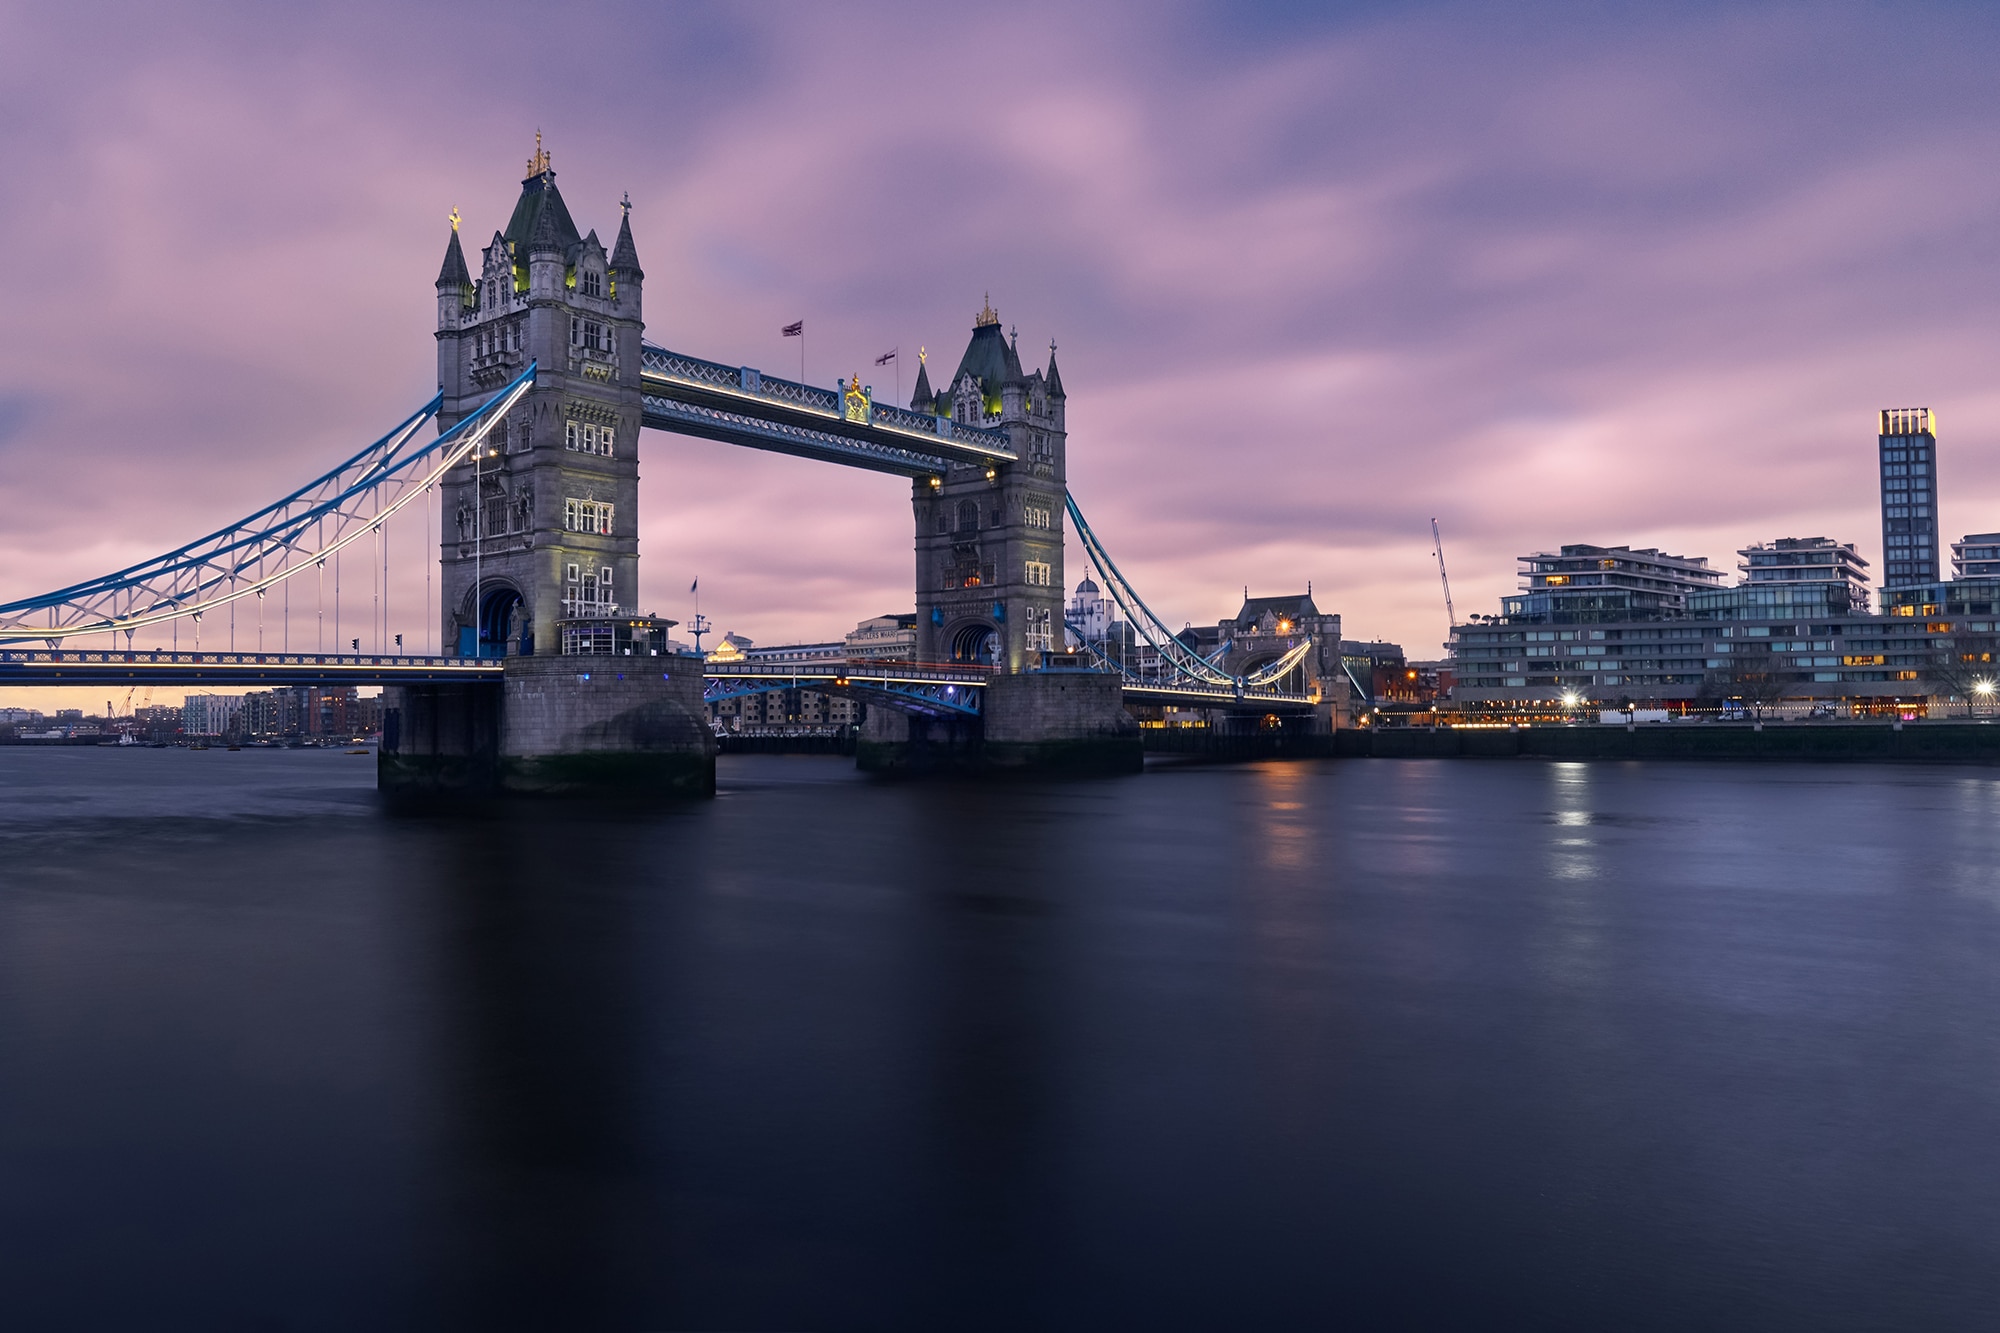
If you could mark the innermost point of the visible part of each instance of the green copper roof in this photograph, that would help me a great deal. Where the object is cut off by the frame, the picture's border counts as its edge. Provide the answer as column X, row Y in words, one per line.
column 541, row 219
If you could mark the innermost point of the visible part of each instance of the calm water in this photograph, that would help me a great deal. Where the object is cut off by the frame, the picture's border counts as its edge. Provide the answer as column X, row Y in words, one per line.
column 1285, row 1046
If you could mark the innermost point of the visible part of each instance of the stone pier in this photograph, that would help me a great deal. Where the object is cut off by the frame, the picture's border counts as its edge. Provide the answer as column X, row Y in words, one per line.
column 1052, row 723
column 582, row 726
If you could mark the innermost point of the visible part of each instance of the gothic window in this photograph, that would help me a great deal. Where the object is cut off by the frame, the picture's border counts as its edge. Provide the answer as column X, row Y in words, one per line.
column 572, row 435
column 1040, row 634
column 572, row 573
column 968, row 516
column 593, row 283
column 1037, row 572
column 586, row 516
column 1036, row 517
column 943, row 521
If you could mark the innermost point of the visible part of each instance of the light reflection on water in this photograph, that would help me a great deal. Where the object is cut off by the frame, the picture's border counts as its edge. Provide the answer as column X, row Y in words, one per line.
column 1612, row 1045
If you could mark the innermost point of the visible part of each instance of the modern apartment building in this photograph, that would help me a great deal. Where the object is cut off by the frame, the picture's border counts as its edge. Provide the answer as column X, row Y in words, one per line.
column 1908, row 448
column 1789, row 579
column 1976, row 556
column 1586, row 585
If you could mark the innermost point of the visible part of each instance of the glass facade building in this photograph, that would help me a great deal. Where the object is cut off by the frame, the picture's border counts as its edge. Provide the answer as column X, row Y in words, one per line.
column 1586, row 585
column 1908, row 448
column 1976, row 556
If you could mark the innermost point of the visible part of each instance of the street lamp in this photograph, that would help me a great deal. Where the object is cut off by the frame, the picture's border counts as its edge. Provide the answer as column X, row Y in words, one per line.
column 1983, row 689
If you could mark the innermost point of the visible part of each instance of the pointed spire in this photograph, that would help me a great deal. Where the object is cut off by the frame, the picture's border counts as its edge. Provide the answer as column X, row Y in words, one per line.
column 1054, row 375
column 922, row 399
column 547, row 236
column 454, row 272
column 625, row 255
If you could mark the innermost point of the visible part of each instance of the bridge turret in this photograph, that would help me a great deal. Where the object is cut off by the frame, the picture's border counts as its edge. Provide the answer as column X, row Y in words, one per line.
column 454, row 284
column 989, row 540
column 544, row 558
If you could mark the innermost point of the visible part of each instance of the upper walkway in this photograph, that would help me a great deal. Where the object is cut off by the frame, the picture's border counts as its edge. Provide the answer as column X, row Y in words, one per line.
column 741, row 405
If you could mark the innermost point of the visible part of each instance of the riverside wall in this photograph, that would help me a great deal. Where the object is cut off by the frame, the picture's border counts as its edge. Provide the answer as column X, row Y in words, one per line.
column 1828, row 742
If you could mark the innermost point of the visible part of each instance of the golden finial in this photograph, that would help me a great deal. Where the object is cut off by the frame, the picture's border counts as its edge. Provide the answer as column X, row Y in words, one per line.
column 454, row 217
column 921, row 354
column 540, row 161
column 987, row 315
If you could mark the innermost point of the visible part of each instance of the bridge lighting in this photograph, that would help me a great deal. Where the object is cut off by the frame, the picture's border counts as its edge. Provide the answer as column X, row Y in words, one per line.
column 991, row 473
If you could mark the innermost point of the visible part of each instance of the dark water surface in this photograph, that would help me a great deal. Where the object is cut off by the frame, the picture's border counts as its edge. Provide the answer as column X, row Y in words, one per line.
column 1361, row 1043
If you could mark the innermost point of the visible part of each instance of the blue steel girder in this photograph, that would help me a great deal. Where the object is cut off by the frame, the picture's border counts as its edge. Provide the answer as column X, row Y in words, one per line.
column 739, row 405
column 147, row 667
column 940, row 693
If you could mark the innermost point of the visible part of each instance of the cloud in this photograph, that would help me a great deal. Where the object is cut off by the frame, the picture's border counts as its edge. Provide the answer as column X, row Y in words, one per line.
column 1316, row 278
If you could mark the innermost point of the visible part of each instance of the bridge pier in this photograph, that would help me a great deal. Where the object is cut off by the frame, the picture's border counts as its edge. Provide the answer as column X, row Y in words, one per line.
column 1049, row 723
column 565, row 726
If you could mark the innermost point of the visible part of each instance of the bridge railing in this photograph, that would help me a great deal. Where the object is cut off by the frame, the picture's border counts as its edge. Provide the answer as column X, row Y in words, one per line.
column 174, row 657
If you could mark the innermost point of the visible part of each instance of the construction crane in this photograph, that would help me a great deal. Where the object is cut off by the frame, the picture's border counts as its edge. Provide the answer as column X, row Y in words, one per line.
column 1437, row 544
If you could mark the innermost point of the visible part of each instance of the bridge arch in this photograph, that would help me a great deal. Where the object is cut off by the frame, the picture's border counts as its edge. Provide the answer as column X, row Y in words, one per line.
column 504, row 623
column 975, row 641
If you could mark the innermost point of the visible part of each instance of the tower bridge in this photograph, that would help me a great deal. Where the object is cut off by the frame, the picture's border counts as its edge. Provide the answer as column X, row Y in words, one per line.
column 548, row 677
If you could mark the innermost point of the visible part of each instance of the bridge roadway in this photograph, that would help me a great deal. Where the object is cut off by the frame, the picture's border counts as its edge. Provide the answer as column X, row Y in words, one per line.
column 933, row 690
column 945, row 690
column 164, row 666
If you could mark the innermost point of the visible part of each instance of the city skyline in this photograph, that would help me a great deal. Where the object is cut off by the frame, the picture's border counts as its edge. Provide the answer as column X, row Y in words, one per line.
column 1552, row 281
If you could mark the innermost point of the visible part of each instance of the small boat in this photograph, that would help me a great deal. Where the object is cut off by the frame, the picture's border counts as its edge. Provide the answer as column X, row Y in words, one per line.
column 357, row 752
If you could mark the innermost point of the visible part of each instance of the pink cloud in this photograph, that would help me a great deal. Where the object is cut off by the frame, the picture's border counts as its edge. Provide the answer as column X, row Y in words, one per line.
column 1549, row 283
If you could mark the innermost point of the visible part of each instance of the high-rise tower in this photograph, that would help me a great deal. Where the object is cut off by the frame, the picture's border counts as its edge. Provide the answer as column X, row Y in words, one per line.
column 990, row 540
column 540, row 547
column 1908, row 445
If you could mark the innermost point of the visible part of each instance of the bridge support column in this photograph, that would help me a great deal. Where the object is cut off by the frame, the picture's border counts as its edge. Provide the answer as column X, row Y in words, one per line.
column 632, row 726
column 439, row 739
column 584, row 726
column 1059, row 722
column 902, row 744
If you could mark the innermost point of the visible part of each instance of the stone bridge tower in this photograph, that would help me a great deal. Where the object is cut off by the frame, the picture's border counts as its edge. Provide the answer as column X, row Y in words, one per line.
column 545, row 521
column 990, row 541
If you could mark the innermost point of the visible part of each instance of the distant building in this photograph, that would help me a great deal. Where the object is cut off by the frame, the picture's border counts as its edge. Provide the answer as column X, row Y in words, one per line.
column 1090, row 613
column 1908, row 447
column 1790, row 578
column 886, row 638
column 211, row 715
column 1587, row 585
column 1976, row 556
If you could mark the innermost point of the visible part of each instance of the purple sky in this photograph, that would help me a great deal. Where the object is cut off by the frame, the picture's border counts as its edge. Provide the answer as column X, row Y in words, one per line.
column 1315, row 277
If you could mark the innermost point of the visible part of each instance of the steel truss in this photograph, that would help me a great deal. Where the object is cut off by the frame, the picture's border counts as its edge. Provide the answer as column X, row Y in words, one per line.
column 255, row 554
column 928, row 693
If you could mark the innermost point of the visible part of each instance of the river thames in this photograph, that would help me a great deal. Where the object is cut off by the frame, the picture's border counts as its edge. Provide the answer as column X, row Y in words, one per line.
column 1364, row 1043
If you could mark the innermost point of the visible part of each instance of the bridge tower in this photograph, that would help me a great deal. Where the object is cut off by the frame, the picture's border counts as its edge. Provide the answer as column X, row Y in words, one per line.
column 541, row 531
column 989, row 541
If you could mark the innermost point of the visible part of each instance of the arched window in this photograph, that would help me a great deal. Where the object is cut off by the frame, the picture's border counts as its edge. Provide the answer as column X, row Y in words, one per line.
column 968, row 516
